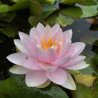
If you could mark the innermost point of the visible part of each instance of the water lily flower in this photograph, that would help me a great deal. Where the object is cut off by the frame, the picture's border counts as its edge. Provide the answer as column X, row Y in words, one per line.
column 46, row 54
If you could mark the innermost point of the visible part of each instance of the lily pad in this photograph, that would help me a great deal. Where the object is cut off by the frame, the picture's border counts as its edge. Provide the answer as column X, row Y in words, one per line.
column 35, row 8
column 15, row 87
column 83, row 92
column 23, row 4
column 4, row 8
column 9, row 31
column 47, row 1
column 80, row 11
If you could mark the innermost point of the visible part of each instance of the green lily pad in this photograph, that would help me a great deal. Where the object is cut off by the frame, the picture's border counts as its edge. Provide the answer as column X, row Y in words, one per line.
column 35, row 8
column 23, row 4
column 83, row 92
column 90, row 70
column 70, row 2
column 34, row 20
column 9, row 31
column 58, row 18
column 47, row 9
column 4, row 8
column 47, row 1
column 15, row 87
column 7, row 16
column 80, row 11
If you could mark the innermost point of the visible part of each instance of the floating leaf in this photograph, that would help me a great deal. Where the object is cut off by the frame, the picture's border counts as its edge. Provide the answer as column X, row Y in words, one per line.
column 47, row 9
column 4, row 8
column 15, row 87
column 83, row 92
column 9, row 31
column 33, row 20
column 47, row 1
column 80, row 11
column 23, row 4
column 59, row 18
column 85, row 79
column 70, row 2
column 7, row 16
column 35, row 8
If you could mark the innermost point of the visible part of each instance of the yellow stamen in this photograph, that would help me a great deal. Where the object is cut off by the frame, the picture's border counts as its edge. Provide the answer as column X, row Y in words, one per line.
column 48, row 44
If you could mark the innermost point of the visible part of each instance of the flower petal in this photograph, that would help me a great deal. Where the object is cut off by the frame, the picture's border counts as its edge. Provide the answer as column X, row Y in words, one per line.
column 40, row 27
column 76, row 48
column 31, row 63
column 52, row 54
column 17, row 58
column 22, row 35
column 31, row 33
column 55, row 29
column 35, row 78
column 47, row 67
column 16, row 69
column 41, row 55
column 58, row 76
column 61, row 61
column 75, row 60
column 79, row 66
column 20, row 45
column 70, row 84
column 67, row 35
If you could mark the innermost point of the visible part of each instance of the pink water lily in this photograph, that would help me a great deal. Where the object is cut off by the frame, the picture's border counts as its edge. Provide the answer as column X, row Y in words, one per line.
column 46, row 54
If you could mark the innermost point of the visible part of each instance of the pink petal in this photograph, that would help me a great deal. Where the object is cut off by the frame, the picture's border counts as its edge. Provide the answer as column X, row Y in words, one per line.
column 76, row 48
column 31, row 63
column 61, row 61
column 67, row 35
column 79, row 66
column 55, row 29
column 29, row 46
column 22, row 35
column 41, row 55
column 58, row 76
column 73, row 61
column 20, row 46
column 47, row 67
column 47, row 33
column 63, row 50
column 17, row 58
column 35, row 78
column 58, row 36
column 31, row 33
column 52, row 54
column 40, row 27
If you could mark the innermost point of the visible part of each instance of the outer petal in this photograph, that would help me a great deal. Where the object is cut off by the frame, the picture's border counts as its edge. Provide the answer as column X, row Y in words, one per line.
column 61, row 61
column 67, row 35
column 40, row 27
column 17, row 58
column 22, row 35
column 41, row 55
column 48, row 67
column 20, row 45
column 70, row 84
column 52, row 54
column 35, row 78
column 58, row 76
column 75, row 60
column 16, row 69
column 31, row 33
column 55, row 29
column 79, row 66
column 76, row 48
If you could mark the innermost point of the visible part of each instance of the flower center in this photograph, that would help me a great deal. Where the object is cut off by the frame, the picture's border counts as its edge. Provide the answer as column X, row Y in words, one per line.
column 47, row 44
